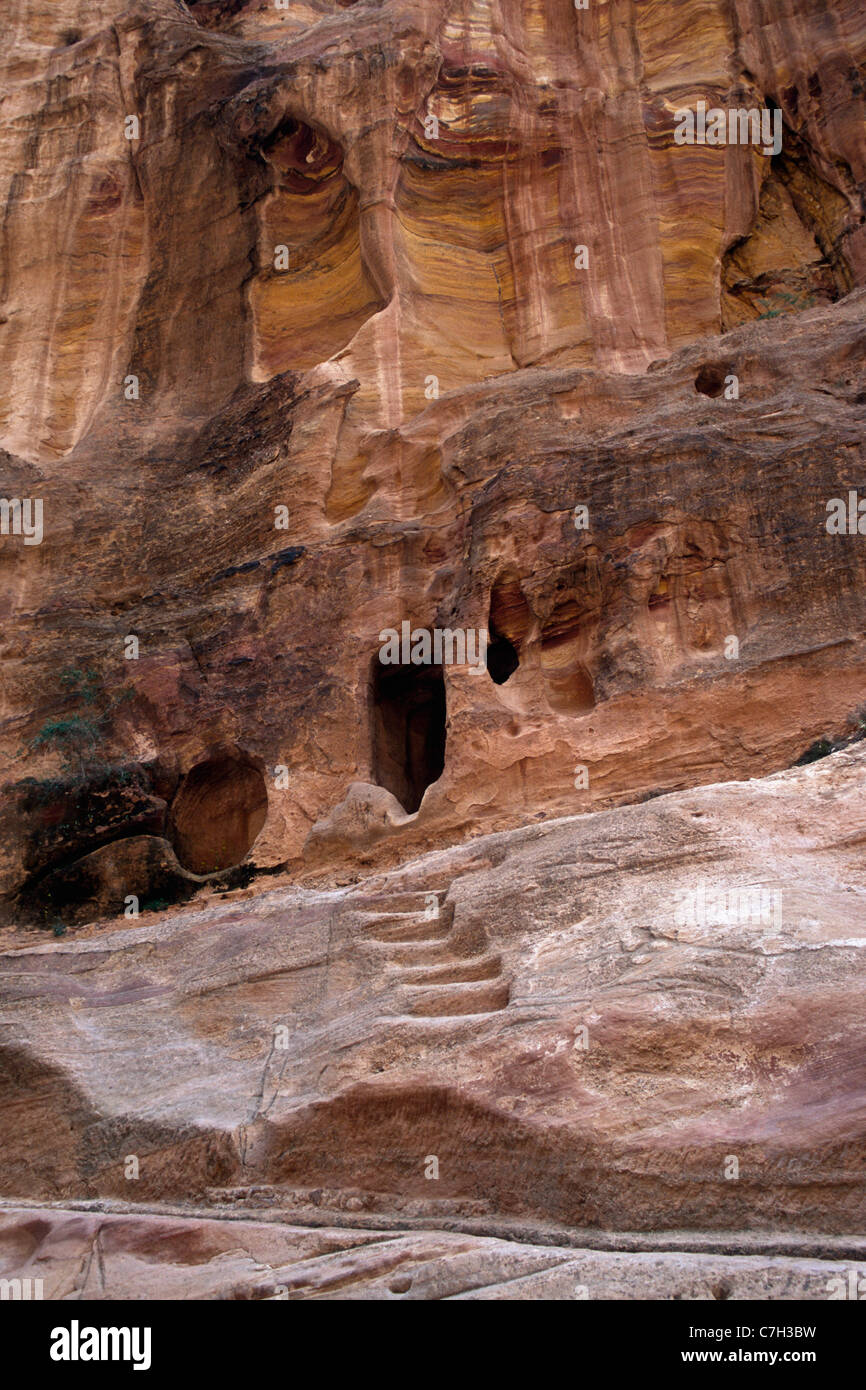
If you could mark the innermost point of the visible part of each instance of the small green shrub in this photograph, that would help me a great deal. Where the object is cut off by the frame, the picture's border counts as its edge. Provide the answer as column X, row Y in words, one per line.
column 84, row 685
column 74, row 732
column 821, row 748
column 788, row 300
column 82, row 723
column 155, row 905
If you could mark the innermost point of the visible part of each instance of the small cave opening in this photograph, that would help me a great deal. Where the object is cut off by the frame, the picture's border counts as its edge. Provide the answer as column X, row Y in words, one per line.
column 710, row 380
column 507, row 625
column 408, row 729
column 502, row 658
column 219, row 809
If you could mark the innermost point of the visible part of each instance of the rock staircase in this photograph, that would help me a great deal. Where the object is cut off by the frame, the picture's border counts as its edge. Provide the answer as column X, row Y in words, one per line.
column 433, row 974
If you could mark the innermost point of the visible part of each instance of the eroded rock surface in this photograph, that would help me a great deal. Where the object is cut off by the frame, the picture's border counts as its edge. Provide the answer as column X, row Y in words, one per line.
column 138, row 1255
column 582, row 1024
column 321, row 320
column 310, row 356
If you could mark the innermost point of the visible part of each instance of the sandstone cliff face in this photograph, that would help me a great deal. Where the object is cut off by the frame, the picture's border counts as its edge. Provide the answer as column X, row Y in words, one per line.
column 323, row 318
column 344, row 133
column 310, row 355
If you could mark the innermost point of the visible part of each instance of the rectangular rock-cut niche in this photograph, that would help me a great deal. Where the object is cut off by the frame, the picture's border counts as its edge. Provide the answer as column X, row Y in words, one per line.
column 407, row 718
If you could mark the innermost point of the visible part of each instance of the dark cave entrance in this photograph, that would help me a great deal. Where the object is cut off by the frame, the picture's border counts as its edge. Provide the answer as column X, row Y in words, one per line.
column 502, row 658
column 507, row 624
column 710, row 380
column 408, row 727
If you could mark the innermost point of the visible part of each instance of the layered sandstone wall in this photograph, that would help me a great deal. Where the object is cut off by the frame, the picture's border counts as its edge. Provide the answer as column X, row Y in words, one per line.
column 312, row 354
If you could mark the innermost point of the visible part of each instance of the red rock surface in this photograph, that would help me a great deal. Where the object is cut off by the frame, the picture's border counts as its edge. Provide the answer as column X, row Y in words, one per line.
column 313, row 355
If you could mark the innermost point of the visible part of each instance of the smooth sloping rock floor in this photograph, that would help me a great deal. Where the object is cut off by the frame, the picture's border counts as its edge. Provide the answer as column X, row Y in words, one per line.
column 560, row 1059
column 141, row 1255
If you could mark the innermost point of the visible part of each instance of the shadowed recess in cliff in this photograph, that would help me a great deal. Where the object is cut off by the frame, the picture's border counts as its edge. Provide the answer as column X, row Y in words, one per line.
column 408, row 729
column 565, row 646
column 795, row 255
column 508, row 623
column 217, row 14
column 710, row 380
column 313, row 291
column 218, row 812
column 502, row 658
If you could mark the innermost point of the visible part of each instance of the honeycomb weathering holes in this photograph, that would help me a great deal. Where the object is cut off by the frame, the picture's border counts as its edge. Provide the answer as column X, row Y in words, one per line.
column 219, row 810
